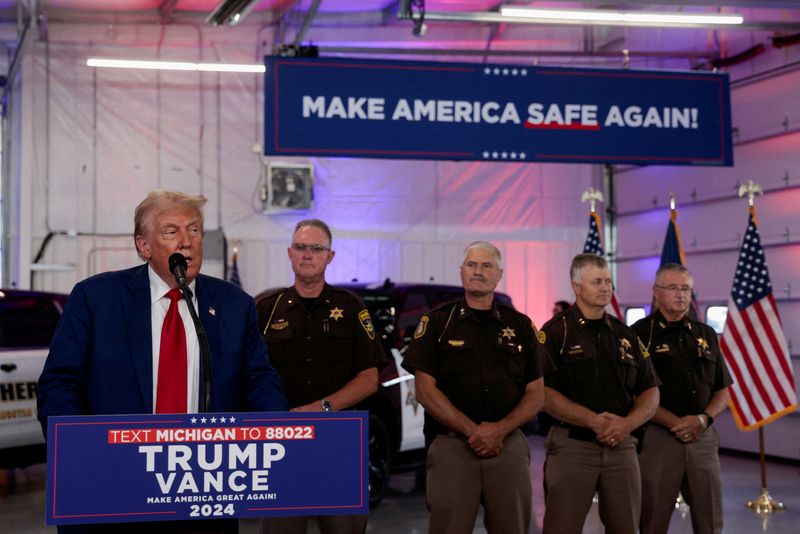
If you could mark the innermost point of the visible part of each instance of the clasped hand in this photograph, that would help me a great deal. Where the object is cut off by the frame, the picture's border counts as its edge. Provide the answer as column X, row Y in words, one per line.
column 487, row 440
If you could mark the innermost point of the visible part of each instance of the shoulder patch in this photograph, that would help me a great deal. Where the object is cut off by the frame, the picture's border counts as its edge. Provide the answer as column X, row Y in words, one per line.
column 422, row 327
column 366, row 323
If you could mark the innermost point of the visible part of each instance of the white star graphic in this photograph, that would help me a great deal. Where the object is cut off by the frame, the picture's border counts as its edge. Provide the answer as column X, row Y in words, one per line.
column 202, row 419
column 487, row 70
column 213, row 419
column 485, row 154
column 193, row 420
column 222, row 419
column 231, row 419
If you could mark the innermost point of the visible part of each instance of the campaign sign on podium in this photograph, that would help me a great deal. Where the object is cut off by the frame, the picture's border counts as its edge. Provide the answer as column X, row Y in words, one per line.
column 163, row 467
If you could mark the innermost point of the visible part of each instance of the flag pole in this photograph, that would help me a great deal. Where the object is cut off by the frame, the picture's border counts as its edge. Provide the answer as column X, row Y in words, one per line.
column 764, row 504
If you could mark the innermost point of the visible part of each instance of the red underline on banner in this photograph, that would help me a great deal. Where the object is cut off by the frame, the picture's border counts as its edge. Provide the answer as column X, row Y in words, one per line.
column 531, row 126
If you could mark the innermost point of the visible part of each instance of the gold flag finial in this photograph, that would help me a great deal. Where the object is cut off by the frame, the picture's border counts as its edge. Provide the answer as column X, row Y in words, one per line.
column 751, row 189
column 593, row 196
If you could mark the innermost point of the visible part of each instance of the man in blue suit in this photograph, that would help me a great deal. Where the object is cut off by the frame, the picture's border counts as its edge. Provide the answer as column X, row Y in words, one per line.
column 104, row 356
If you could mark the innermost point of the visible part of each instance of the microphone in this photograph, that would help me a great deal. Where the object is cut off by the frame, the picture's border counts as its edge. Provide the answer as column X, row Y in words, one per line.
column 178, row 266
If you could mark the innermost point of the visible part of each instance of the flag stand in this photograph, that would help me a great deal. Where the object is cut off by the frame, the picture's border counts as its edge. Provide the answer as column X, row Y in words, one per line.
column 765, row 504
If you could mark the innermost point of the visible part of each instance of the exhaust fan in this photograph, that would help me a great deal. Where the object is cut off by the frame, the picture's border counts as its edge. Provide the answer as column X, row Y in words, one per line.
column 287, row 187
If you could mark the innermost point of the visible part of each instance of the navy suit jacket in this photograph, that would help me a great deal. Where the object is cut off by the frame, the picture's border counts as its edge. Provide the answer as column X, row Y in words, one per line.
column 101, row 356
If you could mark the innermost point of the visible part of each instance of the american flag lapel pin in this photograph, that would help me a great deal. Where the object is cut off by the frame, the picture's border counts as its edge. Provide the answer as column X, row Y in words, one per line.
column 212, row 311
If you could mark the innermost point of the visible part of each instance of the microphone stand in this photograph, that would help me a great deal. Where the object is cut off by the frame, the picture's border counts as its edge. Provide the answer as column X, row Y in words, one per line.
column 205, row 349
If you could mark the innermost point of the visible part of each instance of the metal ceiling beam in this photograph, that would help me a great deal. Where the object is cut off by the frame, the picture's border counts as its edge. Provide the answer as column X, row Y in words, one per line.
column 675, row 54
column 310, row 14
column 490, row 17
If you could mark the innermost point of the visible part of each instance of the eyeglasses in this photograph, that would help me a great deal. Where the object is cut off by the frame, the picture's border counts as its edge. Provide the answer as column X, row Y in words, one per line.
column 315, row 248
column 676, row 289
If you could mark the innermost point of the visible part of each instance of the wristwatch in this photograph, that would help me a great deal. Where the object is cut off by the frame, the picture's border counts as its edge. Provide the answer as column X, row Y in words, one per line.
column 709, row 419
column 326, row 405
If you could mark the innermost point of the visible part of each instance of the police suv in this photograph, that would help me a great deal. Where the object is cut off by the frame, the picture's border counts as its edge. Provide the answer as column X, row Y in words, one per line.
column 27, row 322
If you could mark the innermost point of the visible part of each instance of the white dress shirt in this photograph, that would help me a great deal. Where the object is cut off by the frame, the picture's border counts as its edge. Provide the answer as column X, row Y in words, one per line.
column 159, row 304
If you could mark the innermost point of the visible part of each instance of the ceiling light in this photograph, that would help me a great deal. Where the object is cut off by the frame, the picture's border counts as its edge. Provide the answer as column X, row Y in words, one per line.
column 173, row 65
column 563, row 16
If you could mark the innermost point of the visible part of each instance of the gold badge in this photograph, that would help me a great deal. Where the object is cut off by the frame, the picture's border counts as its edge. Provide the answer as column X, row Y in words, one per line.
column 421, row 327
column 336, row 314
column 702, row 343
column 662, row 325
column 455, row 342
column 541, row 337
column 280, row 324
column 625, row 343
column 645, row 352
column 366, row 322
column 508, row 332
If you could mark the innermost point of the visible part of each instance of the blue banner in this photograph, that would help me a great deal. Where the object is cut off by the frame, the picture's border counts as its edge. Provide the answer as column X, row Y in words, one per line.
column 509, row 113
column 108, row 469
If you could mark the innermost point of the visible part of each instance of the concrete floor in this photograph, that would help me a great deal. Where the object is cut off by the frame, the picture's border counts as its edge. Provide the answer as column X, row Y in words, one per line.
column 403, row 510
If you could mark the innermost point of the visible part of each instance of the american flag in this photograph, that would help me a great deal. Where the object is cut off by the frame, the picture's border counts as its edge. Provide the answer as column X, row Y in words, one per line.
column 594, row 245
column 753, row 341
column 233, row 278
column 672, row 252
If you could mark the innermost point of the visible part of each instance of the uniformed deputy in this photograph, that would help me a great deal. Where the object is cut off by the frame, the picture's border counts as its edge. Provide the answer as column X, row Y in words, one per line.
column 323, row 345
column 680, row 449
column 478, row 368
column 604, row 388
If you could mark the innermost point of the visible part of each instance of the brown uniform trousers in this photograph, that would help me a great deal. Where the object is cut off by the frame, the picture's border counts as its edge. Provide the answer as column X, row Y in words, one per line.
column 668, row 466
column 575, row 469
column 459, row 480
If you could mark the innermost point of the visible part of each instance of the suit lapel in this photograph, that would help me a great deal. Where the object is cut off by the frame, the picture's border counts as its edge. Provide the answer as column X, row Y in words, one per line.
column 209, row 310
column 136, row 309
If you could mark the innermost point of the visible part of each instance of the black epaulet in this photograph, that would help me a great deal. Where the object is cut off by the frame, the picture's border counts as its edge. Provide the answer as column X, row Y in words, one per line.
column 277, row 294
column 557, row 317
column 557, row 327
column 269, row 293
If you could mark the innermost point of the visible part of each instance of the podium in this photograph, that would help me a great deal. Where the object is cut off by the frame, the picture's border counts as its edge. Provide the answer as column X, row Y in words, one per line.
column 163, row 467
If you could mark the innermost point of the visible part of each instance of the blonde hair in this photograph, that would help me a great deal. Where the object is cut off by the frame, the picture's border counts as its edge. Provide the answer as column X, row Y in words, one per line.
column 159, row 201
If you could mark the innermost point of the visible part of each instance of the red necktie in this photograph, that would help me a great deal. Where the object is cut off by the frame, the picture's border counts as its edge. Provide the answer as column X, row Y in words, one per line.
column 171, row 389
